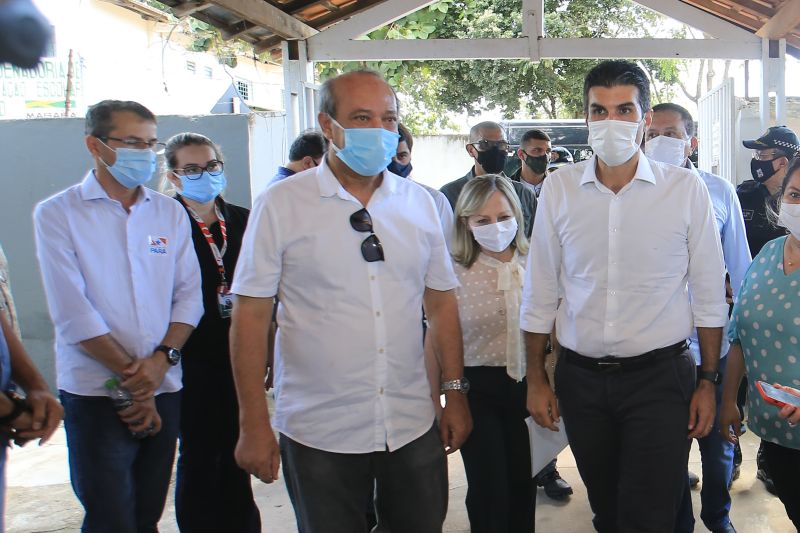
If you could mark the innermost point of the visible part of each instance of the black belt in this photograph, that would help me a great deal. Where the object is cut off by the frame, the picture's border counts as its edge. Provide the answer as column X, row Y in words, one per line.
column 611, row 363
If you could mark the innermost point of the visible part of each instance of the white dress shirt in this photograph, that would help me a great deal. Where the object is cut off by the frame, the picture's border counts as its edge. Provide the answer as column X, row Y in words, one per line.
column 350, row 376
column 622, row 261
column 488, row 307
column 109, row 271
column 735, row 251
column 443, row 208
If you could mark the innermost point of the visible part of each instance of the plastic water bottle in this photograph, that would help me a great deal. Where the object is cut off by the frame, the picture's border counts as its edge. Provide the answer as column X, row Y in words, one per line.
column 122, row 399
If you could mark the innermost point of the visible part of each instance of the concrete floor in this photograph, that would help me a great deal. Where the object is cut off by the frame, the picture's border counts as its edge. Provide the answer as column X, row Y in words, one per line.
column 40, row 499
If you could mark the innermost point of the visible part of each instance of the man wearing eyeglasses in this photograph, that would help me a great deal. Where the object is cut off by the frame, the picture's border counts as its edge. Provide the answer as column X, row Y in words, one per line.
column 489, row 148
column 352, row 251
column 123, row 287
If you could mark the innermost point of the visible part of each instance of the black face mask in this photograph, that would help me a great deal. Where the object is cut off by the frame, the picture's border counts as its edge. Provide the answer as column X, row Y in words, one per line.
column 537, row 164
column 492, row 160
column 401, row 170
column 762, row 170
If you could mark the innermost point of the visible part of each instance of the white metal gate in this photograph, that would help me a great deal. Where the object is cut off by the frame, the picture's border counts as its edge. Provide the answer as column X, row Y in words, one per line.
column 717, row 131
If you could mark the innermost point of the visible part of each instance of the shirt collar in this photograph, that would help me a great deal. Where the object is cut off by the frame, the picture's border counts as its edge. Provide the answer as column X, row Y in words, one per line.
column 644, row 171
column 693, row 169
column 91, row 189
column 329, row 186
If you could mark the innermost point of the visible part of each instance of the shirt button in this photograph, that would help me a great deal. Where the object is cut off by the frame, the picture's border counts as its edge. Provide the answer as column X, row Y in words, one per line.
column 613, row 230
column 377, row 313
column 613, row 293
column 380, row 351
column 380, row 391
column 372, row 278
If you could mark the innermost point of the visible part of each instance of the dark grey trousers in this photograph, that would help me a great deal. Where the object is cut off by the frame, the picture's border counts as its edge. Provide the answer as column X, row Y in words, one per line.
column 628, row 432
column 330, row 489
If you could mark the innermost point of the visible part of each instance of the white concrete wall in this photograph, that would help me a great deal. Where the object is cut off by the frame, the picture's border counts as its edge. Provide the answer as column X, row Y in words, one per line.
column 439, row 159
column 117, row 54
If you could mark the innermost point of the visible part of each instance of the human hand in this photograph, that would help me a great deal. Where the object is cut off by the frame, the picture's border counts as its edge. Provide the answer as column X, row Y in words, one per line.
column 257, row 453
column 144, row 376
column 45, row 414
column 543, row 405
column 455, row 424
column 730, row 422
column 701, row 410
column 142, row 417
column 790, row 412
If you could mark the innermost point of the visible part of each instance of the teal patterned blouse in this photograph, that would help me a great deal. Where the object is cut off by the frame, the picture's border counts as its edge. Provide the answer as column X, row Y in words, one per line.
column 766, row 323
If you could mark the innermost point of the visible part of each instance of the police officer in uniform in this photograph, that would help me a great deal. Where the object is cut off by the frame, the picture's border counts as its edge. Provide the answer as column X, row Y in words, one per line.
column 772, row 153
column 771, row 156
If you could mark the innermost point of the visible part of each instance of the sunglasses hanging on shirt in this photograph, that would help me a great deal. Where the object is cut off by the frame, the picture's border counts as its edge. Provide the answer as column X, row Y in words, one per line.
column 371, row 248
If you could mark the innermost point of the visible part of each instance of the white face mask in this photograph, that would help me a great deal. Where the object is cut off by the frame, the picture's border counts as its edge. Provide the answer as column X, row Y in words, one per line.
column 614, row 141
column 496, row 237
column 789, row 218
column 667, row 150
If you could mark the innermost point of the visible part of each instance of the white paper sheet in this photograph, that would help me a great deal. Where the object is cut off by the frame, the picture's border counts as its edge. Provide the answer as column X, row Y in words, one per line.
column 545, row 444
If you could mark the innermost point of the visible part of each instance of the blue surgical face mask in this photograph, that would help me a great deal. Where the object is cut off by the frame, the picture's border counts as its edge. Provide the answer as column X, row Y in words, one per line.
column 367, row 151
column 202, row 187
column 401, row 170
column 133, row 167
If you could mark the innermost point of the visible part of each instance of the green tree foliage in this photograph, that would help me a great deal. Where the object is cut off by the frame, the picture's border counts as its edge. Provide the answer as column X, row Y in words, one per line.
column 550, row 88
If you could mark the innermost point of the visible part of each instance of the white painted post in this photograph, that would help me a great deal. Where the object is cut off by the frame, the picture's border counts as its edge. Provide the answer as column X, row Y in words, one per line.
column 297, row 73
column 773, row 79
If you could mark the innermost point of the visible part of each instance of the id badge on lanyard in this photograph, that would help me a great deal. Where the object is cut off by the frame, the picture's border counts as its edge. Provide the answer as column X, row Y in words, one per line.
column 224, row 300
column 224, row 294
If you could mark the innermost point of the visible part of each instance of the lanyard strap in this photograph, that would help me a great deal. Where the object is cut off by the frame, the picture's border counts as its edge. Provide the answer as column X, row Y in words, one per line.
column 210, row 238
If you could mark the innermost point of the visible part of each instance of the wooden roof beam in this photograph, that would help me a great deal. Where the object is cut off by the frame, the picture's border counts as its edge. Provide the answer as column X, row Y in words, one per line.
column 268, row 16
column 188, row 8
column 783, row 22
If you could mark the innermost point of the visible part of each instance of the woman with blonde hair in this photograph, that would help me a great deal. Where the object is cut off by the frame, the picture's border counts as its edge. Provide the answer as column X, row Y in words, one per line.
column 489, row 248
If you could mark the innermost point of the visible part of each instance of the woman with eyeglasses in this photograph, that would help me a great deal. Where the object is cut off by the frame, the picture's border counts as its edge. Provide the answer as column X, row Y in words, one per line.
column 212, row 493
column 489, row 248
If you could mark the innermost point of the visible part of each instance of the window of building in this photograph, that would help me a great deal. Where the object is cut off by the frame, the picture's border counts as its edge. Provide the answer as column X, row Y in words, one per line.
column 191, row 67
column 209, row 72
column 244, row 89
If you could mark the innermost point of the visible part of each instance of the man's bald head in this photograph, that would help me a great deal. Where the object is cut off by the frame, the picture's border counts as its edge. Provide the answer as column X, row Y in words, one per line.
column 333, row 89
column 479, row 131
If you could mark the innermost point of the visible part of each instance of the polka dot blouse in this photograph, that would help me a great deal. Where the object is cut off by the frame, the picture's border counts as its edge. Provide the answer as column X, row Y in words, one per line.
column 489, row 299
column 766, row 322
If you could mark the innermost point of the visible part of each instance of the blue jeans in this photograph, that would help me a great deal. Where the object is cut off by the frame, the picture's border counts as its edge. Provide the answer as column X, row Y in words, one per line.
column 717, row 459
column 121, row 482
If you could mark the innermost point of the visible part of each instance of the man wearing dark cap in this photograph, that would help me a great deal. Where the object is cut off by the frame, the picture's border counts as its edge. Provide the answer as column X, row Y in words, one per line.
column 771, row 155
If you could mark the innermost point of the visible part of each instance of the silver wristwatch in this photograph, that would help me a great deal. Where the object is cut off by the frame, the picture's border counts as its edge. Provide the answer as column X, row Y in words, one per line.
column 461, row 385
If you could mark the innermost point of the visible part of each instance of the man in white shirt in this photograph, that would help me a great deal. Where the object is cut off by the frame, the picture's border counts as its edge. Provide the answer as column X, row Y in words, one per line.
column 670, row 139
column 617, row 240
column 123, row 287
column 352, row 251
